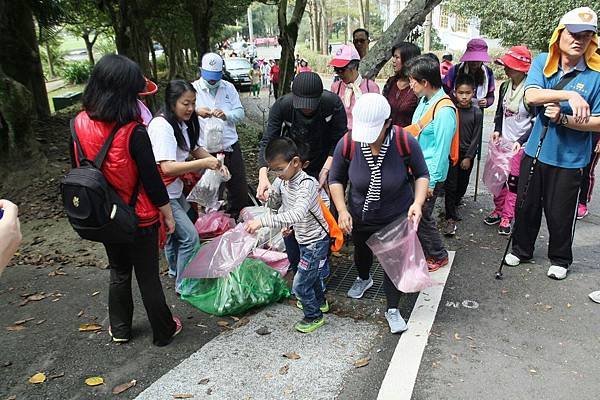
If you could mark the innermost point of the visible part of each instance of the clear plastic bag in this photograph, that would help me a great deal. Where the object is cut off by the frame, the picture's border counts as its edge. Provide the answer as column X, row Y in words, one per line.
column 213, row 224
column 497, row 166
column 399, row 251
column 206, row 191
column 267, row 238
column 222, row 255
column 214, row 134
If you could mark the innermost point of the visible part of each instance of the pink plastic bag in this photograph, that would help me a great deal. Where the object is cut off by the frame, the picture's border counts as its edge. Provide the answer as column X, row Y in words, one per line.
column 497, row 167
column 399, row 251
column 222, row 255
column 213, row 224
column 274, row 259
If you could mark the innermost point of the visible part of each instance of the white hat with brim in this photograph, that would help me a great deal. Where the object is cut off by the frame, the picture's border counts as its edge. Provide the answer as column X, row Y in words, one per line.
column 580, row 20
column 369, row 114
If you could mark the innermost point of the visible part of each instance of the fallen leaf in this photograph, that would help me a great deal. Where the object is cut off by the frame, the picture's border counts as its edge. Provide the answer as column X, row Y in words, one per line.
column 37, row 297
column 263, row 331
column 209, row 391
column 41, row 321
column 95, row 293
column 548, row 307
column 183, row 396
column 94, row 381
column 13, row 397
column 569, row 305
column 57, row 272
column 90, row 328
column 361, row 362
column 22, row 321
column 292, row 355
column 242, row 322
column 236, row 319
column 470, row 338
column 15, row 328
column 457, row 337
column 204, row 381
column 38, row 378
column 284, row 370
column 222, row 323
column 55, row 376
column 80, row 313
column 7, row 364
column 124, row 386
column 533, row 371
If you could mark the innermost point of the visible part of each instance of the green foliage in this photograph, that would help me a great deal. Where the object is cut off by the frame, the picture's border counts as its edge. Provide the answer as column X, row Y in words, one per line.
column 106, row 45
column 519, row 22
column 77, row 72
column 51, row 50
column 436, row 42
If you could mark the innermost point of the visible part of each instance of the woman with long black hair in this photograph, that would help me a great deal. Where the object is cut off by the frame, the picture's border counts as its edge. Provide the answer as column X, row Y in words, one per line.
column 174, row 134
column 109, row 103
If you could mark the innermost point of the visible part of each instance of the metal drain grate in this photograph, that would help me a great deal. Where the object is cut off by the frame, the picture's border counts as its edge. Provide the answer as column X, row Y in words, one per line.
column 342, row 277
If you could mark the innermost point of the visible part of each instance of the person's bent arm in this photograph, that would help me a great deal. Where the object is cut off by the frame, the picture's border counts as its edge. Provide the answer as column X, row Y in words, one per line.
column 167, row 213
column 538, row 97
column 177, row 168
column 273, row 130
column 592, row 125
column 10, row 232
column 344, row 218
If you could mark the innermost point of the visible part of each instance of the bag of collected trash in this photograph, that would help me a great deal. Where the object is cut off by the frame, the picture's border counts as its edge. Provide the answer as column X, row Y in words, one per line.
column 206, row 191
column 214, row 134
column 497, row 167
column 399, row 252
column 267, row 238
column 274, row 259
column 213, row 224
column 221, row 255
column 251, row 285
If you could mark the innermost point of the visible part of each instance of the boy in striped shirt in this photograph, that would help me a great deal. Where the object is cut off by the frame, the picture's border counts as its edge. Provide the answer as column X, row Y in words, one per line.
column 297, row 195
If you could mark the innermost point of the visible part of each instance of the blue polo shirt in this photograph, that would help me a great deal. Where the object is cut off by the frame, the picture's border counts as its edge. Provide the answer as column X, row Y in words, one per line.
column 563, row 147
column 436, row 139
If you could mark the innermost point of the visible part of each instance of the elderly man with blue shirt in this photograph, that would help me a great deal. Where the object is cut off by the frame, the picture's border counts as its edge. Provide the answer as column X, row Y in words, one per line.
column 218, row 98
column 571, row 115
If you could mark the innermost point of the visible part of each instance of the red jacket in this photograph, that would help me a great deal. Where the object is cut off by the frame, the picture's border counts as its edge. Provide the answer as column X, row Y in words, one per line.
column 119, row 168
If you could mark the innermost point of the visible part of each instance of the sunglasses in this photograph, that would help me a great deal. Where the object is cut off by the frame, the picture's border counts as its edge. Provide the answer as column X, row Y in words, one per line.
column 340, row 70
column 359, row 40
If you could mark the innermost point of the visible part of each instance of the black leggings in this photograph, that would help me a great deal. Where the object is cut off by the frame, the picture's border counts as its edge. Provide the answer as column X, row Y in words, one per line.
column 363, row 259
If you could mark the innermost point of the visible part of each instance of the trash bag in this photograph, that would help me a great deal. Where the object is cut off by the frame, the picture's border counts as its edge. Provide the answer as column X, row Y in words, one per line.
column 274, row 259
column 399, row 251
column 267, row 238
column 221, row 255
column 253, row 284
column 206, row 191
column 497, row 166
column 214, row 134
column 213, row 224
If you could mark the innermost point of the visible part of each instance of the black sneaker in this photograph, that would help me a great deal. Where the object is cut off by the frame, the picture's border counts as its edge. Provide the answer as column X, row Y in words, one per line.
column 450, row 228
column 492, row 219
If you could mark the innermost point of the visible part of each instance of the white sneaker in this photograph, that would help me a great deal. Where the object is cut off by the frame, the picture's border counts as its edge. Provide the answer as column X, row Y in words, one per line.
column 359, row 287
column 557, row 272
column 395, row 320
column 595, row 296
column 511, row 260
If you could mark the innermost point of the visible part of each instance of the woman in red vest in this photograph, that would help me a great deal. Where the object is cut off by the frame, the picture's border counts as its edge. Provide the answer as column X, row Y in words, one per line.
column 109, row 99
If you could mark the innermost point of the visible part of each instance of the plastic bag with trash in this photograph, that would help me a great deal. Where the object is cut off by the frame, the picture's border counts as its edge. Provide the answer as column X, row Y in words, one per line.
column 497, row 166
column 274, row 259
column 267, row 238
column 399, row 252
column 252, row 284
column 214, row 134
column 213, row 224
column 206, row 191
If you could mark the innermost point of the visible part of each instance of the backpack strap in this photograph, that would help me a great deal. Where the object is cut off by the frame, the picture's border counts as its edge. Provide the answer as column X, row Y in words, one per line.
column 80, row 154
column 311, row 213
column 105, row 147
column 348, row 146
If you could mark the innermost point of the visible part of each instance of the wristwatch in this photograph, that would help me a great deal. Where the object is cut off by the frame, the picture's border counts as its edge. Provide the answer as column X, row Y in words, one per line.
column 563, row 119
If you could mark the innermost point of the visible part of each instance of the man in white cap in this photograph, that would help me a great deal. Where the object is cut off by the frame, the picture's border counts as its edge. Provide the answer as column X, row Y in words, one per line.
column 218, row 98
column 351, row 85
column 566, row 82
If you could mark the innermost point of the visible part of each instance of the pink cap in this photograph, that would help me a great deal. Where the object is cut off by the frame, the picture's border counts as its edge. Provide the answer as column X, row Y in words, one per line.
column 344, row 55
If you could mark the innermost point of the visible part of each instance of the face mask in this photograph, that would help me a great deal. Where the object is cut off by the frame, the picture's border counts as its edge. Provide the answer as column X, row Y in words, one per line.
column 208, row 85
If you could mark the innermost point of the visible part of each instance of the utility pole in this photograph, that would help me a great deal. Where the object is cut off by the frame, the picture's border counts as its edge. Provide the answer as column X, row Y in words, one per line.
column 427, row 34
column 250, row 27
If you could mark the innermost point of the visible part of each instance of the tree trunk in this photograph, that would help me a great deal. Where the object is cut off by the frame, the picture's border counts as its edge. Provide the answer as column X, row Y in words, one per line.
column 324, row 25
column 361, row 14
column 313, row 24
column 413, row 15
column 153, row 57
column 20, row 56
column 288, row 35
column 202, row 13
column 89, row 46
column 367, row 17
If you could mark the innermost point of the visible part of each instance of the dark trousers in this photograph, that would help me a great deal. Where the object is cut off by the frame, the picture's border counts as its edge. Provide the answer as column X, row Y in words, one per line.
column 275, row 89
column 589, row 176
column 237, row 186
column 141, row 256
column 428, row 233
column 363, row 259
column 455, row 187
column 554, row 191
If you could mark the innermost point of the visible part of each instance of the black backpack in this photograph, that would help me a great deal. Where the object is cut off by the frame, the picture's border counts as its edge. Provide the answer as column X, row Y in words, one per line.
column 94, row 208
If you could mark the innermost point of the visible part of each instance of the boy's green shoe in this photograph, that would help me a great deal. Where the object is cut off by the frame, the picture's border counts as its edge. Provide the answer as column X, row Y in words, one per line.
column 324, row 308
column 306, row 326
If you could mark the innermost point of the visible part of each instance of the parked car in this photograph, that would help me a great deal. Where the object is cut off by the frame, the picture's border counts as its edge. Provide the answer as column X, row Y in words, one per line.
column 236, row 71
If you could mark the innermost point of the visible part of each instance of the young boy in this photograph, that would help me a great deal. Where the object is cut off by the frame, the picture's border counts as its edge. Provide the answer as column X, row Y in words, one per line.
column 299, row 208
column 470, row 124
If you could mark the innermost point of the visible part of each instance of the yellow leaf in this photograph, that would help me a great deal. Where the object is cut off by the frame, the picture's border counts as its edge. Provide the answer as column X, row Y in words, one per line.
column 38, row 378
column 183, row 396
column 15, row 328
column 222, row 323
column 361, row 362
column 90, row 328
column 94, row 381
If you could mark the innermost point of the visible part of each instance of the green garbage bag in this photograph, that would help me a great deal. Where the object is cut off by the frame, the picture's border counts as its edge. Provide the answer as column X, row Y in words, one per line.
column 251, row 285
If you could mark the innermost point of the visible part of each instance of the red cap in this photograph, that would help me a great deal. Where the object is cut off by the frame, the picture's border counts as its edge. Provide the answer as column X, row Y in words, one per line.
column 150, row 88
column 517, row 58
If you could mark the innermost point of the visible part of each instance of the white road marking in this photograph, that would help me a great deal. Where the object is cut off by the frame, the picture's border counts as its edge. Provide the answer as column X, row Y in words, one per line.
column 401, row 375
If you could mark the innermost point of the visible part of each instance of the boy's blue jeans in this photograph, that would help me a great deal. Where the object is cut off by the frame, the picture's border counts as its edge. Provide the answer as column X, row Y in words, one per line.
column 307, row 281
column 293, row 253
